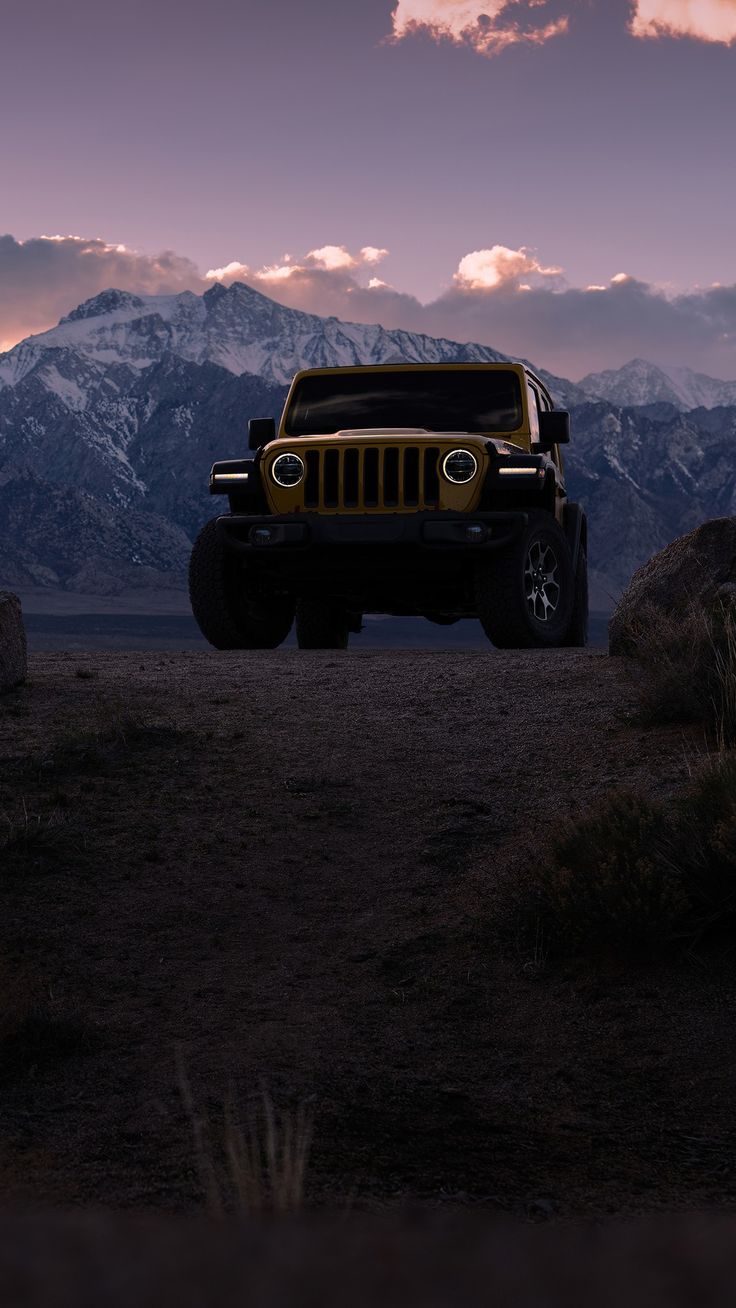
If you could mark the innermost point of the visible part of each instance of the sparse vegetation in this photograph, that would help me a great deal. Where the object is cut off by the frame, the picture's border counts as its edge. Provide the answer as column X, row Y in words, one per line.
column 110, row 734
column 339, row 961
column 635, row 875
column 606, row 883
column 252, row 1166
column 33, row 842
column 687, row 665
column 85, row 673
column 702, row 850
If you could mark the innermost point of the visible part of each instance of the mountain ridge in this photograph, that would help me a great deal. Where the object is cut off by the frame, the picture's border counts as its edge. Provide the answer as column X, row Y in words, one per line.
column 640, row 382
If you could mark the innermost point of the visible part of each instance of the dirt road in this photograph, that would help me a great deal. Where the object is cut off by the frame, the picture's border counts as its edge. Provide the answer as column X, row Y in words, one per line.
column 293, row 870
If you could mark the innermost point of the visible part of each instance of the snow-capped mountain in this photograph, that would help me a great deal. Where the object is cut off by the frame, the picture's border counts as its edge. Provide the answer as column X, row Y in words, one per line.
column 640, row 382
column 110, row 421
column 235, row 327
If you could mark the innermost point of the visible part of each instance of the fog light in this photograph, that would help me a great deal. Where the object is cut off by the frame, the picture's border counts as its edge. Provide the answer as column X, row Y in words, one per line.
column 261, row 535
column 475, row 534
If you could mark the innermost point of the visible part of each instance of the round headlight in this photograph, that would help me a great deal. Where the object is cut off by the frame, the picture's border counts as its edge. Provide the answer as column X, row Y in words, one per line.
column 287, row 470
column 460, row 466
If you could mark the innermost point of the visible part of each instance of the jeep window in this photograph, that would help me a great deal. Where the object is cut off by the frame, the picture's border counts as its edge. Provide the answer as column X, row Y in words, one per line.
column 533, row 412
column 456, row 400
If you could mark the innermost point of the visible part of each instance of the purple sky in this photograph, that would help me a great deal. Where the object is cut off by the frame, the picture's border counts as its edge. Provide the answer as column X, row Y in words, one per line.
column 240, row 132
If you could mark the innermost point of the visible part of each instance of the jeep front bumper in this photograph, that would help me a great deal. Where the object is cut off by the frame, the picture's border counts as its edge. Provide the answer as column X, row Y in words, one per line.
column 430, row 530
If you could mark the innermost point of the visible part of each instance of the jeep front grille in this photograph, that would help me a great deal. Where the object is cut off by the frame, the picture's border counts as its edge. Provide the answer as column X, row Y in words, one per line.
column 372, row 477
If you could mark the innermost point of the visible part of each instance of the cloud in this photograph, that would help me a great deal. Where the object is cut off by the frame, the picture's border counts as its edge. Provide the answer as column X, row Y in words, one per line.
column 324, row 280
column 508, row 298
column 330, row 258
column 43, row 278
column 487, row 270
column 488, row 27
column 706, row 20
column 516, row 302
column 232, row 272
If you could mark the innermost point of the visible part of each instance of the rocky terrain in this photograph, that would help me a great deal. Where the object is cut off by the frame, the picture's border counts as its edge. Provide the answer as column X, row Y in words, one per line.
column 110, row 421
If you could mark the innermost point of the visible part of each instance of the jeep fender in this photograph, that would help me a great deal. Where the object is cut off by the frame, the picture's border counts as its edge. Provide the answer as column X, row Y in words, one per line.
column 576, row 529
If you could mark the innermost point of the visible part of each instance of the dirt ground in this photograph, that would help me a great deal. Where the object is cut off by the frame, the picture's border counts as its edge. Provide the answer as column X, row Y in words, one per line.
column 291, row 871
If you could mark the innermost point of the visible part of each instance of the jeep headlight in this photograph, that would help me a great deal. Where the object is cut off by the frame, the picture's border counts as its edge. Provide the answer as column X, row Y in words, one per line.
column 459, row 466
column 287, row 470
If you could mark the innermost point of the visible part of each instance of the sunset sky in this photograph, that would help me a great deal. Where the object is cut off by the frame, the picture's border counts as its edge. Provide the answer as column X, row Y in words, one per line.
column 464, row 168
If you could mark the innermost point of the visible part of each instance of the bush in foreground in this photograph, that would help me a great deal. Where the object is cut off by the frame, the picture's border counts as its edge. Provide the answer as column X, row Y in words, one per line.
column 687, row 664
column 635, row 876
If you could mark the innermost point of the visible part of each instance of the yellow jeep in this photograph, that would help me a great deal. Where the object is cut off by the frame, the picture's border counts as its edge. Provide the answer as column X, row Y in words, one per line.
column 409, row 489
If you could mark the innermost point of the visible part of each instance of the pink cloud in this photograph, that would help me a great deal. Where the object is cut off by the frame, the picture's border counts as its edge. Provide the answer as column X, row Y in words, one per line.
column 706, row 20
column 506, row 298
column 514, row 301
column 46, row 276
column 325, row 259
column 488, row 27
column 488, row 270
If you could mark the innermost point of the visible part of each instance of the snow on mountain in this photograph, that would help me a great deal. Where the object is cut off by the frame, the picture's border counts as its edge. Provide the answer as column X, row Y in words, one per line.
column 700, row 391
column 235, row 327
column 640, row 382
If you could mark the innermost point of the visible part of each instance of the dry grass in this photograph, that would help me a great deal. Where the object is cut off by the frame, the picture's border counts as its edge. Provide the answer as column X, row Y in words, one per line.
column 635, row 876
column 33, row 842
column 109, row 734
column 606, row 884
column 252, row 1167
column 687, row 666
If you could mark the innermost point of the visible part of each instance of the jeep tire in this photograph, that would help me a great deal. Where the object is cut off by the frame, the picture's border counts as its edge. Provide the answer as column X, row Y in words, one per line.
column 524, row 593
column 228, row 612
column 321, row 624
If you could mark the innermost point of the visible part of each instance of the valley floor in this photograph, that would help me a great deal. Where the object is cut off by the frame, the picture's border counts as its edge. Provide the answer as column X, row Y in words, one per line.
column 293, row 872
column 151, row 620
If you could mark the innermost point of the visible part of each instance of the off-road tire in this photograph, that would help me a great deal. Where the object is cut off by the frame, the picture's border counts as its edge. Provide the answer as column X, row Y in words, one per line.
column 227, row 615
column 577, row 634
column 321, row 625
column 508, row 599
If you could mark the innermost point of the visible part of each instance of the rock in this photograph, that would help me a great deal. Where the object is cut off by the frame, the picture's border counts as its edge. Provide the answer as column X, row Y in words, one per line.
column 694, row 571
column 13, row 654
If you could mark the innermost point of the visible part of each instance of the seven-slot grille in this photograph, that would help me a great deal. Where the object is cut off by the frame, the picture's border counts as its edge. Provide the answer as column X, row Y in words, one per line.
column 372, row 477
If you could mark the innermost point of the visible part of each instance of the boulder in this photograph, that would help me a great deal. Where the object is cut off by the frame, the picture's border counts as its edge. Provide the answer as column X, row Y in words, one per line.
column 13, row 654
column 695, row 571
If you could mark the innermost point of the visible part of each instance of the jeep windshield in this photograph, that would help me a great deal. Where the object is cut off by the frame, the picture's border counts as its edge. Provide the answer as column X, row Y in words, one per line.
column 472, row 400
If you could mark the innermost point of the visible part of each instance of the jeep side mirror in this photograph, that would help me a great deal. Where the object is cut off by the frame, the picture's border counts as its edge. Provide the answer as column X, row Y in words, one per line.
column 554, row 428
column 260, row 432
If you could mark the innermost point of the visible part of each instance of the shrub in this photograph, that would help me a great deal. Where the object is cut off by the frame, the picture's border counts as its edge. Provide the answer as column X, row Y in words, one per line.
column 702, row 848
column 606, row 883
column 687, row 664
column 637, row 876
